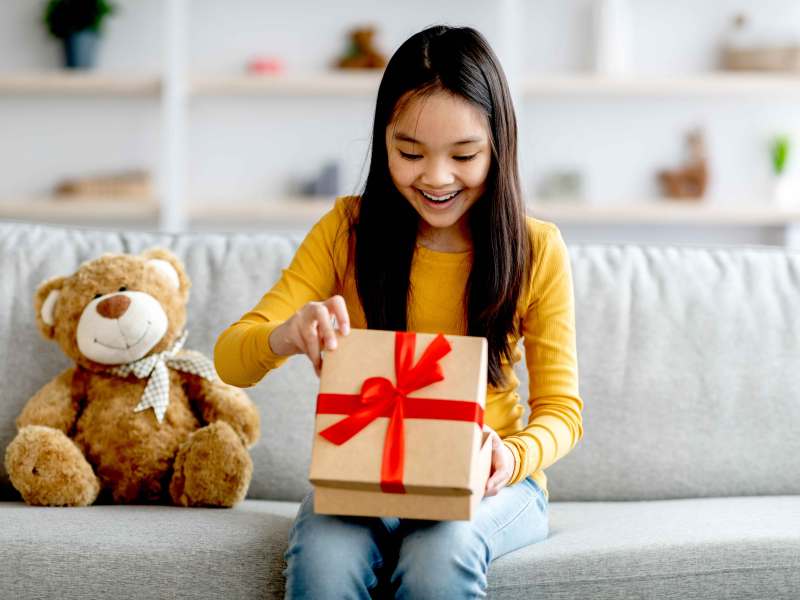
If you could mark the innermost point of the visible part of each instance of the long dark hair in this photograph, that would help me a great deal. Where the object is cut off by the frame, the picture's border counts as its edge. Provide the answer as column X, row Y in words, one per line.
column 460, row 61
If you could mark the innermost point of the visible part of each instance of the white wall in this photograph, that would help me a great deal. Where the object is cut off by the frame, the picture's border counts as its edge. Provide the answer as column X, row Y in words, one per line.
column 253, row 147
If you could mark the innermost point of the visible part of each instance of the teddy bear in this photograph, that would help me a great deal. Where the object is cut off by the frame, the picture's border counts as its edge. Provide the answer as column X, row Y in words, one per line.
column 137, row 419
column 362, row 53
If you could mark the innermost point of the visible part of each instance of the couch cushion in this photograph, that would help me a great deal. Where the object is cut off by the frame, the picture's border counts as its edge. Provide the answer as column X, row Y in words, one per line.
column 144, row 551
column 743, row 547
column 739, row 547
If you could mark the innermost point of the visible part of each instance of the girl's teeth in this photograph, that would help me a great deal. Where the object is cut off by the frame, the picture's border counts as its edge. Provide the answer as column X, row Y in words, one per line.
column 439, row 198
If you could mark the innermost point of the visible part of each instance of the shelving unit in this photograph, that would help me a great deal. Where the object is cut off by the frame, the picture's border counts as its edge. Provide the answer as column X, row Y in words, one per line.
column 304, row 211
column 176, row 88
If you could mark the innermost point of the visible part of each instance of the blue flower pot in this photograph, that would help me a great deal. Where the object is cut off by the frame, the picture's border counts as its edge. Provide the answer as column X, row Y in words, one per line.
column 80, row 49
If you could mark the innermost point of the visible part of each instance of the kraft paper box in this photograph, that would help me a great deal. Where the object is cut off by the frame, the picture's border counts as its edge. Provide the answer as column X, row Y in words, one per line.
column 399, row 426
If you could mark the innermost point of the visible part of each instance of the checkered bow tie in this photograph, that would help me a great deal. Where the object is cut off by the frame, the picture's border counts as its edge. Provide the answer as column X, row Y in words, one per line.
column 156, row 367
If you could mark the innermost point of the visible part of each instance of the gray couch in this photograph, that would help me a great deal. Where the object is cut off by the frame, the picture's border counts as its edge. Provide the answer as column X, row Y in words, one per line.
column 686, row 484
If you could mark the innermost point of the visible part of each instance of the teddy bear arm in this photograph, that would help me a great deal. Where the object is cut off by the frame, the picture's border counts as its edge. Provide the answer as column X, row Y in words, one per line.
column 55, row 405
column 218, row 401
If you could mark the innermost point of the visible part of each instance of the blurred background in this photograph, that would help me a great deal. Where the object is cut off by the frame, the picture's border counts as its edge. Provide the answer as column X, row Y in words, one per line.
column 639, row 120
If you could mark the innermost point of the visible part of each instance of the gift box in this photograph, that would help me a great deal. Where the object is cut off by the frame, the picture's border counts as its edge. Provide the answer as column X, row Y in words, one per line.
column 399, row 426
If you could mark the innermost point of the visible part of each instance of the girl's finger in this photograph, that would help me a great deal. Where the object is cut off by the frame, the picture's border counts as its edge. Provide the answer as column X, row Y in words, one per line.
column 337, row 306
column 327, row 337
column 497, row 458
column 496, row 482
column 500, row 472
column 493, row 480
column 311, row 339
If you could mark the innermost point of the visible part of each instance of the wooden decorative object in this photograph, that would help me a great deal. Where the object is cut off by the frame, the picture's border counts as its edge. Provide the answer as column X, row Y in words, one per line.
column 786, row 58
column 691, row 180
column 748, row 56
column 125, row 184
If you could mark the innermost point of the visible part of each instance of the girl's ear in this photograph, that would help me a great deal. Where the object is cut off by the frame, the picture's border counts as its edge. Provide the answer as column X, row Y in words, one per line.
column 45, row 302
column 169, row 267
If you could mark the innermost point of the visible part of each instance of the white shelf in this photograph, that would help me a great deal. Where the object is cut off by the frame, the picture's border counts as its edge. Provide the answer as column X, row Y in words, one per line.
column 299, row 210
column 304, row 211
column 664, row 212
column 79, row 83
column 359, row 84
column 333, row 83
column 80, row 210
column 714, row 83
column 307, row 210
column 536, row 86
column 355, row 83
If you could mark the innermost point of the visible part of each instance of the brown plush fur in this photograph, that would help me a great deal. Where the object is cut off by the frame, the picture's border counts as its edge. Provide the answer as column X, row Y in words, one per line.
column 79, row 433
column 41, row 454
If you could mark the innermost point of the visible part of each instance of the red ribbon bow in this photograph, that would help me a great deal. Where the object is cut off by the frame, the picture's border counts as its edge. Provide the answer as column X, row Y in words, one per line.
column 379, row 397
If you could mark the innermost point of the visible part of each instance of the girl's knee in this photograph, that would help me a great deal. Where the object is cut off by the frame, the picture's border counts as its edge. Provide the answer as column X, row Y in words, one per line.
column 326, row 541
column 448, row 559
column 329, row 557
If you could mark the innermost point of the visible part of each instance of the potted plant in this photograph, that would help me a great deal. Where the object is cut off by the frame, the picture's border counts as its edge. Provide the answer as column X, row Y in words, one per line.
column 78, row 24
column 783, row 190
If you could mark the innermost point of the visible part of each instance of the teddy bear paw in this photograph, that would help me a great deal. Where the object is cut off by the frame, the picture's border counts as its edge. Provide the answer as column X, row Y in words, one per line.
column 48, row 468
column 212, row 468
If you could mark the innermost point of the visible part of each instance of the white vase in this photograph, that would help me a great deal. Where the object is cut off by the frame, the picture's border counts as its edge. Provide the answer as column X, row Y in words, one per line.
column 784, row 192
column 612, row 24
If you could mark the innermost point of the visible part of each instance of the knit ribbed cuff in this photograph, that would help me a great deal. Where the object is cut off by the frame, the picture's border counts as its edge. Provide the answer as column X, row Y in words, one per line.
column 267, row 357
column 515, row 475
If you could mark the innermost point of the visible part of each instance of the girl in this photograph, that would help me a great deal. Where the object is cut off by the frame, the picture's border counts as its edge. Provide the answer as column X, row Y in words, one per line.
column 437, row 241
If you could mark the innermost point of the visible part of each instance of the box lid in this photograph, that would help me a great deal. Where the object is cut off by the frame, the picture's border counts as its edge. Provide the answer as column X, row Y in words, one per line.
column 438, row 454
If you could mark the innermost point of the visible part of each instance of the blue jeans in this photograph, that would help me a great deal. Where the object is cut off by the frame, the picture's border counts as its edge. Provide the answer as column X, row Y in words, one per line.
column 354, row 557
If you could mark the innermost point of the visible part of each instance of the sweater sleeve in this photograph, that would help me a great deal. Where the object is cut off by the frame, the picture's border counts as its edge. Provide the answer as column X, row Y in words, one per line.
column 555, row 424
column 242, row 354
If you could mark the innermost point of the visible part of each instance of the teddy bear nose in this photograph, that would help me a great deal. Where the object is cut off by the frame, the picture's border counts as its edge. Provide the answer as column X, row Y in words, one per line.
column 114, row 307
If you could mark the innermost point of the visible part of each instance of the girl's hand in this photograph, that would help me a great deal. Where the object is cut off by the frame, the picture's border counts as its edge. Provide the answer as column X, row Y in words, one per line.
column 503, row 464
column 310, row 330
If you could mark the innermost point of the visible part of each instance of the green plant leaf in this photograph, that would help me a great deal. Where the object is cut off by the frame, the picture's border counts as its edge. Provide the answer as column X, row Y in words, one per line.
column 65, row 17
column 780, row 153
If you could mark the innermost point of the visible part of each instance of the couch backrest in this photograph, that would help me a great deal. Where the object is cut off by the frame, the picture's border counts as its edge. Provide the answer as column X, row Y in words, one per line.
column 688, row 359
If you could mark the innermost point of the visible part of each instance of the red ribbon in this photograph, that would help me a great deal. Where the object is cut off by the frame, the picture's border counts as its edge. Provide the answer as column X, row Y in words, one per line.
column 379, row 397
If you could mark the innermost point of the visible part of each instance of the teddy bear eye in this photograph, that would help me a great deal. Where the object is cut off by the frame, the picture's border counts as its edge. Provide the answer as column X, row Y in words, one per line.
column 123, row 289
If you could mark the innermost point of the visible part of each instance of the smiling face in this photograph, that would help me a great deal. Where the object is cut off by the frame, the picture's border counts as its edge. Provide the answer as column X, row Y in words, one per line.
column 439, row 158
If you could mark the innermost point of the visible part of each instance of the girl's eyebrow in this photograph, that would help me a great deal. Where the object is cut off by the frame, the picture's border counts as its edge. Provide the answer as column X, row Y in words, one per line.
column 404, row 137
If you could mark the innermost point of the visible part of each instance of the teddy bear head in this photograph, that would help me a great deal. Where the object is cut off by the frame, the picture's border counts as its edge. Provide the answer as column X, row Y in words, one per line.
column 115, row 309
column 362, row 39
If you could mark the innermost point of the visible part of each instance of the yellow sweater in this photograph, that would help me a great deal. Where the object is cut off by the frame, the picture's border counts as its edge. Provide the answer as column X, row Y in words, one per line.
column 319, row 270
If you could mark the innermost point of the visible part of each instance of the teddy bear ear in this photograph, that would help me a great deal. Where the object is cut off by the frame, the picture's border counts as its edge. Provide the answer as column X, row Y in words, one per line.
column 170, row 268
column 45, row 302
